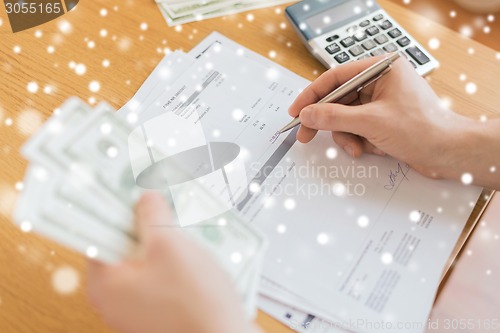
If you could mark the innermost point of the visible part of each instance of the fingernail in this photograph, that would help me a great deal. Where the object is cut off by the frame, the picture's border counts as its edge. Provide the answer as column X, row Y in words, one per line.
column 379, row 152
column 307, row 116
column 349, row 150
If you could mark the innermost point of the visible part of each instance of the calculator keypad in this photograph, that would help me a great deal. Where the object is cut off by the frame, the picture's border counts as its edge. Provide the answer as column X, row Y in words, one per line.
column 369, row 44
column 386, row 25
column 332, row 38
column 342, row 57
column 390, row 48
column 377, row 52
column 394, row 33
column 333, row 48
column 365, row 23
column 359, row 36
column 372, row 31
column 381, row 39
column 349, row 41
column 377, row 37
column 405, row 41
column 356, row 50
column 418, row 55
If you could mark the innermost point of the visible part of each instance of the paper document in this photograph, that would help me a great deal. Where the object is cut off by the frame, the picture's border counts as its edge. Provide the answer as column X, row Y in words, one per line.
column 361, row 243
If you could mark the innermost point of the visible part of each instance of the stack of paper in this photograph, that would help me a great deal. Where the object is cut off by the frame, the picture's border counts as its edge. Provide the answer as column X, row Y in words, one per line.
column 354, row 245
column 180, row 11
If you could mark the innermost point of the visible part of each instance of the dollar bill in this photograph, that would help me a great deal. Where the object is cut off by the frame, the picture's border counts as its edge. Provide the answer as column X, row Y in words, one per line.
column 79, row 191
column 176, row 16
column 195, row 7
column 41, row 209
column 81, row 188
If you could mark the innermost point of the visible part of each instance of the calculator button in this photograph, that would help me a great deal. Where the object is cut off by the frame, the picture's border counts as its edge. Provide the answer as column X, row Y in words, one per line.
column 377, row 52
column 333, row 48
column 373, row 30
column 381, row 39
column 386, row 25
column 413, row 64
column 395, row 33
column 332, row 38
column 364, row 23
column 378, row 17
column 342, row 57
column 356, row 50
column 418, row 55
column 405, row 41
column 359, row 36
column 390, row 48
column 364, row 57
column 369, row 44
column 347, row 42
column 352, row 29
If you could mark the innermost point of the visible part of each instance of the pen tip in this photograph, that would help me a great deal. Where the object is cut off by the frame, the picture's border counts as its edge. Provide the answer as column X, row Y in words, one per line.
column 283, row 130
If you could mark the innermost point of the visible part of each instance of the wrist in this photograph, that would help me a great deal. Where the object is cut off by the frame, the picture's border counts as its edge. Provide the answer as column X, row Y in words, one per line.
column 466, row 147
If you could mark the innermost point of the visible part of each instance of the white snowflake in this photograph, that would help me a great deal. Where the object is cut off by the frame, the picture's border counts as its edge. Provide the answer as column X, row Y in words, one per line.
column 289, row 204
column 386, row 258
column 65, row 27
column 434, row 43
column 28, row 121
column 94, row 86
column 65, row 280
column 80, row 69
column 471, row 88
column 323, row 238
column 236, row 257
column 32, row 87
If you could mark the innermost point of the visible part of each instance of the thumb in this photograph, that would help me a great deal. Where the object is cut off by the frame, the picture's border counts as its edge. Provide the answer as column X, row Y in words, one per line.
column 339, row 118
column 152, row 217
column 97, row 274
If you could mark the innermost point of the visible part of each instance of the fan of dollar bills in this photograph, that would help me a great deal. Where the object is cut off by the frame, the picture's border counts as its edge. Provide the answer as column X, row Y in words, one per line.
column 80, row 191
column 181, row 11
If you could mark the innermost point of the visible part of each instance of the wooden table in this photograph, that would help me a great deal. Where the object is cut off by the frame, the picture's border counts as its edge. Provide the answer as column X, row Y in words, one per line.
column 28, row 303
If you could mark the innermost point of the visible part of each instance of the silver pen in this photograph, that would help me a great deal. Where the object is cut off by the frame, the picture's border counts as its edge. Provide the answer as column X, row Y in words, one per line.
column 357, row 83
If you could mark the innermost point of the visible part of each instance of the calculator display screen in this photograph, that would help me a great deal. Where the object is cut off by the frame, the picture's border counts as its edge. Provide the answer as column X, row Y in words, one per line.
column 328, row 19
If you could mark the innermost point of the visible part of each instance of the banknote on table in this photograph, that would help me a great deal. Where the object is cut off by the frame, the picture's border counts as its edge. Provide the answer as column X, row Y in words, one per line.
column 79, row 190
column 176, row 10
column 176, row 13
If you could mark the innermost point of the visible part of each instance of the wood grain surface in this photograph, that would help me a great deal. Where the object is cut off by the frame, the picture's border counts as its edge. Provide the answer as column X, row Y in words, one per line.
column 47, row 56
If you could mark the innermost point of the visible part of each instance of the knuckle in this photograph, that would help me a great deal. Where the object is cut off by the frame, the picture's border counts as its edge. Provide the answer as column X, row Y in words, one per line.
column 327, row 115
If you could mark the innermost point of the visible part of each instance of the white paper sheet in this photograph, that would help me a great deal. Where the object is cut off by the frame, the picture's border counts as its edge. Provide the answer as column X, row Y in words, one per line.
column 361, row 237
column 361, row 242
column 364, row 255
column 165, row 73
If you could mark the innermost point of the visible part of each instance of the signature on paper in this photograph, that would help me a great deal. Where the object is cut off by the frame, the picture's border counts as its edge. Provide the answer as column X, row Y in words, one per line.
column 395, row 174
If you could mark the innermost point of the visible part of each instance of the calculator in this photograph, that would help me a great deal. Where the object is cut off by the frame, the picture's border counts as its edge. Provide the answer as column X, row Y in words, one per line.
column 339, row 31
